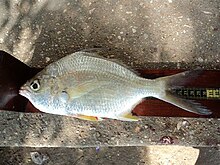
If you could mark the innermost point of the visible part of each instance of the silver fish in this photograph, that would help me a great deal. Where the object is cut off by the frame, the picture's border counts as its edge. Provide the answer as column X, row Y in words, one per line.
column 92, row 88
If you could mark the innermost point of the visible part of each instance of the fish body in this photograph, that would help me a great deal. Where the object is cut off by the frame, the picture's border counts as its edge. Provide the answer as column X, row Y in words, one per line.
column 83, row 85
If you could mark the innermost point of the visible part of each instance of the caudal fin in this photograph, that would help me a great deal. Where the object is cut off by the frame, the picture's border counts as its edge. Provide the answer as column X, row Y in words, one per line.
column 176, row 81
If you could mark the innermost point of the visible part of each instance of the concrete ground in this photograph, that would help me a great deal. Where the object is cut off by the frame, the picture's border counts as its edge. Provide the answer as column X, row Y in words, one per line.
column 39, row 32
column 153, row 155
column 141, row 33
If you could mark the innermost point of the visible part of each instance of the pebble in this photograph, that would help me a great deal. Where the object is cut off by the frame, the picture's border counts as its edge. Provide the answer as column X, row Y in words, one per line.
column 200, row 59
column 38, row 158
column 134, row 30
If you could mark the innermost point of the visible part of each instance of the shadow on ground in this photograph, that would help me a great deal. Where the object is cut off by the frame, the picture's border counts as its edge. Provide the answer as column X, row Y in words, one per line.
column 70, row 156
column 208, row 155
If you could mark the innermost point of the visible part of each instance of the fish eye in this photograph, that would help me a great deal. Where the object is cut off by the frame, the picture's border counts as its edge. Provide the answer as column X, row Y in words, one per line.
column 35, row 85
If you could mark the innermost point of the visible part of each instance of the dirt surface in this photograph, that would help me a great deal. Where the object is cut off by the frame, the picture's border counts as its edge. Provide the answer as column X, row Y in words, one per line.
column 155, row 155
column 142, row 34
column 46, row 130
column 39, row 32
column 84, row 142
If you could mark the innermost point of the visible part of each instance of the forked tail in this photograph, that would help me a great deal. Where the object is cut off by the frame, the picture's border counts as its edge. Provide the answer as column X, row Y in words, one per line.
column 176, row 81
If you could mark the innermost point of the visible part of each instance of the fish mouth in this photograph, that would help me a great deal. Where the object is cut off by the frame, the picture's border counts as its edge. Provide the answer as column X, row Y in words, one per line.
column 24, row 91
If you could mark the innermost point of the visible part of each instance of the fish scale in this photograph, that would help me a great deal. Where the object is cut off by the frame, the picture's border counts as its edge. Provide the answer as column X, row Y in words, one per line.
column 79, row 62
column 83, row 85
column 112, row 104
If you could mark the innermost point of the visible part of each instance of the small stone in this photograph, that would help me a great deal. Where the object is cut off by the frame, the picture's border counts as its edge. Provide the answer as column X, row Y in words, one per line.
column 92, row 128
column 119, row 37
column 185, row 123
column 4, row 131
column 200, row 59
column 97, row 149
column 91, row 11
column 179, row 125
column 1, row 40
column 201, row 41
column 178, row 65
column 207, row 12
column 137, row 129
column 166, row 140
column 134, row 30
column 47, row 59
column 145, row 36
column 38, row 158
column 21, row 115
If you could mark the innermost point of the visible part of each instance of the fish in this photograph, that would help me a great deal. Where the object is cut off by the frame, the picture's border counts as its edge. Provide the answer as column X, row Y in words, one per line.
column 89, row 87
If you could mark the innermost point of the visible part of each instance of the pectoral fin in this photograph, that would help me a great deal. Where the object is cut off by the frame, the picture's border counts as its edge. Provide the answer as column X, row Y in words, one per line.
column 84, row 88
column 128, row 117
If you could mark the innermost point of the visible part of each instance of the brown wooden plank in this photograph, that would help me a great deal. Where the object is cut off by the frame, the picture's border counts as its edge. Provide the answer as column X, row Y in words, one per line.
column 208, row 78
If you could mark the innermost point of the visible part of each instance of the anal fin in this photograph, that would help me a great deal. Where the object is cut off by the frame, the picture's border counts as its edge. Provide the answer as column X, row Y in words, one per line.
column 128, row 117
column 89, row 118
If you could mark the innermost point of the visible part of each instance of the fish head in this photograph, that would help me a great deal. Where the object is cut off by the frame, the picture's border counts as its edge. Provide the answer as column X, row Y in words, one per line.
column 37, row 91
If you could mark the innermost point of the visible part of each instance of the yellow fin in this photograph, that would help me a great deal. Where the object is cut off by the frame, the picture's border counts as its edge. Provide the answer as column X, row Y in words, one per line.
column 84, row 88
column 89, row 118
column 129, row 117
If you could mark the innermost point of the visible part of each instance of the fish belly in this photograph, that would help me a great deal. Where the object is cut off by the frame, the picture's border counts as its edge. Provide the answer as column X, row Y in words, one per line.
column 107, row 101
